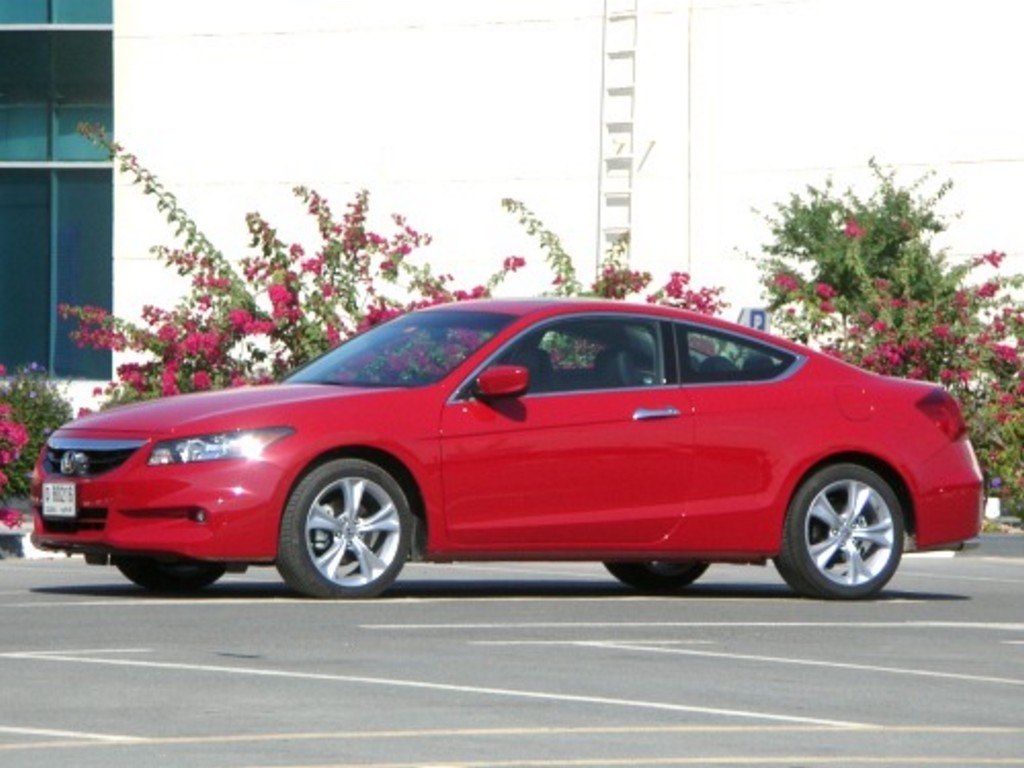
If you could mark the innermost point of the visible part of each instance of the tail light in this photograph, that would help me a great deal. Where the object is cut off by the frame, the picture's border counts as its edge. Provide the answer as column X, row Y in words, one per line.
column 944, row 413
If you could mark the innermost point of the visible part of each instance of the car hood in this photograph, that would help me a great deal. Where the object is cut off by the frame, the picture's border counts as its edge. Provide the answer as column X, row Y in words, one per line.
column 246, row 407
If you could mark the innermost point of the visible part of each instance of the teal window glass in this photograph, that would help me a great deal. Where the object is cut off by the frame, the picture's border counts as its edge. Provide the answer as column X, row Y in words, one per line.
column 82, row 77
column 23, row 130
column 56, row 241
column 84, row 267
column 82, row 11
column 56, row 11
column 49, row 82
column 24, row 11
column 24, row 95
column 24, row 266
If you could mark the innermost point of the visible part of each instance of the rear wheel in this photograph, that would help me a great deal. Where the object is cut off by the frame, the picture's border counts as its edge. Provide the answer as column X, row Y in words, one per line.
column 346, row 531
column 843, row 536
column 658, row 575
column 160, row 576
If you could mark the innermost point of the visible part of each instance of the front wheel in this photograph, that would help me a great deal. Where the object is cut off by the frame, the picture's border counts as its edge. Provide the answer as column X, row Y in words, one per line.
column 178, row 576
column 843, row 535
column 657, row 575
column 345, row 532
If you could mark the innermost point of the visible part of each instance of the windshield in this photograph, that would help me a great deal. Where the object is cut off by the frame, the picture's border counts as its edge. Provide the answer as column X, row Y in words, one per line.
column 411, row 351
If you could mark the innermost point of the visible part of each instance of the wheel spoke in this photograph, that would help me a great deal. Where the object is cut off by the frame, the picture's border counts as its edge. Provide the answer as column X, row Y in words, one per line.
column 879, row 534
column 353, row 488
column 857, row 571
column 384, row 521
column 824, row 552
column 369, row 564
column 823, row 510
column 327, row 563
column 861, row 497
column 321, row 518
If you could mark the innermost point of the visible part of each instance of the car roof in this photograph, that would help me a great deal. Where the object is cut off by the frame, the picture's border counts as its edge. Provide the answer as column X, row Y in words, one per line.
column 522, row 307
column 537, row 308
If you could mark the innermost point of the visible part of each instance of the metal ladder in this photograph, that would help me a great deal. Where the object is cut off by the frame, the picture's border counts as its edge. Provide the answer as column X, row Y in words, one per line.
column 618, row 101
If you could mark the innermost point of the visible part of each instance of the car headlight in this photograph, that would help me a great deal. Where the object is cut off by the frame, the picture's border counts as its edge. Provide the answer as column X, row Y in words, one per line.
column 242, row 444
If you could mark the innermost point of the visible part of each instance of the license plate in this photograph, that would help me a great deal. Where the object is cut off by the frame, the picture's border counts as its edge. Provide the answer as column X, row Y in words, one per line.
column 59, row 500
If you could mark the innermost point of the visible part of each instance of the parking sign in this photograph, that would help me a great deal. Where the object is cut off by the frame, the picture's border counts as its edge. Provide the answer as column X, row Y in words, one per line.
column 754, row 317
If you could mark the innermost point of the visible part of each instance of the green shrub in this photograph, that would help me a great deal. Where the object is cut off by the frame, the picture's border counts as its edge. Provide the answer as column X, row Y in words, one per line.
column 38, row 404
column 860, row 279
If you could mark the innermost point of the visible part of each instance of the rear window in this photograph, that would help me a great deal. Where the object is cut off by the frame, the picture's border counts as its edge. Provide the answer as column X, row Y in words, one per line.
column 707, row 355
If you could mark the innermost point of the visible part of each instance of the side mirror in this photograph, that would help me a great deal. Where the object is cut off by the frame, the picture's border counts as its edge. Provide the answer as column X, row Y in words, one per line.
column 502, row 381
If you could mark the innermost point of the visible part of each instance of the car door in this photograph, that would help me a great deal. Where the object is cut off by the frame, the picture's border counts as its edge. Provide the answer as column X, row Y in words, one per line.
column 595, row 456
column 744, row 417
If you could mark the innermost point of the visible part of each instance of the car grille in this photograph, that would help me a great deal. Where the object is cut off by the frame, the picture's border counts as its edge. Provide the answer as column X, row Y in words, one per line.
column 88, row 519
column 87, row 458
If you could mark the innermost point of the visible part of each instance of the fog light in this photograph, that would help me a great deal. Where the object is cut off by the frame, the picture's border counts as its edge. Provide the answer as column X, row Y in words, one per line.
column 197, row 516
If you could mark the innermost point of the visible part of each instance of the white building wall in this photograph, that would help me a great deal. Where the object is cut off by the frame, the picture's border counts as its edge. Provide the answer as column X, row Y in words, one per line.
column 443, row 108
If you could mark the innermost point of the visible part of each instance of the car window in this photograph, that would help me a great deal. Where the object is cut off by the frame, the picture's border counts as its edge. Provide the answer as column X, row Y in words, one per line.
column 707, row 355
column 413, row 350
column 590, row 354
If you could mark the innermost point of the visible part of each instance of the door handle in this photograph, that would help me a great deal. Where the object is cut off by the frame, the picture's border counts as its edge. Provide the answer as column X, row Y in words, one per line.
column 646, row 414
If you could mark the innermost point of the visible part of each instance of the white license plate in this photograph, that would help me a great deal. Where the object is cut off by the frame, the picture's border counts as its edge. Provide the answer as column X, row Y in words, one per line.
column 59, row 500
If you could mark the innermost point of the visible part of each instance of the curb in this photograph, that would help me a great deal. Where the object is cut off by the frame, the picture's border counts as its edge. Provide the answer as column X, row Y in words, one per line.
column 16, row 543
column 999, row 545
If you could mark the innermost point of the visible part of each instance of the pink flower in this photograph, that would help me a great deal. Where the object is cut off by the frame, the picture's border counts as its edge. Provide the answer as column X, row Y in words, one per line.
column 239, row 318
column 853, row 229
column 988, row 290
column 993, row 258
column 169, row 381
column 201, row 380
column 279, row 294
column 786, row 282
column 12, row 518
column 825, row 291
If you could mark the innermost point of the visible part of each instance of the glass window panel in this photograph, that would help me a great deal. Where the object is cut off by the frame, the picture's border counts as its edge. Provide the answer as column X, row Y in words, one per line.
column 68, row 143
column 84, row 263
column 83, row 11
column 23, row 131
column 83, row 90
column 80, row 89
column 83, row 67
column 24, row 95
column 82, row 204
column 23, row 11
column 25, row 67
column 24, row 266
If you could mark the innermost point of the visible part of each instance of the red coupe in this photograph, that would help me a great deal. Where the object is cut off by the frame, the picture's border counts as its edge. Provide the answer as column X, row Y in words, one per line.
column 653, row 440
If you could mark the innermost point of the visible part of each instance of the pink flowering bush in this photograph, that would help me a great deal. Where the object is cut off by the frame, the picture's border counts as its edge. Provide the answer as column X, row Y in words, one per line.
column 615, row 279
column 13, row 438
column 35, row 406
column 860, row 280
column 250, row 321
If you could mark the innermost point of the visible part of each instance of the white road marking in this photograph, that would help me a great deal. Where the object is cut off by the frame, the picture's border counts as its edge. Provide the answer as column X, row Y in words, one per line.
column 86, row 735
column 661, row 647
column 76, row 657
column 1013, row 626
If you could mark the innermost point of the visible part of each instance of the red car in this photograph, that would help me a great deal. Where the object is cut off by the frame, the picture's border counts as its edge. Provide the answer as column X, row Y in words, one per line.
column 653, row 440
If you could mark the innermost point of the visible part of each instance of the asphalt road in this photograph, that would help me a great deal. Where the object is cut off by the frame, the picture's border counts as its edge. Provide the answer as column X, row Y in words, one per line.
column 515, row 665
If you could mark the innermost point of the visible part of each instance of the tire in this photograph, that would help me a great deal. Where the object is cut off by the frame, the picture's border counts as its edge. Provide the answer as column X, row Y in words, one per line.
column 657, row 575
column 843, row 535
column 345, row 532
column 160, row 576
